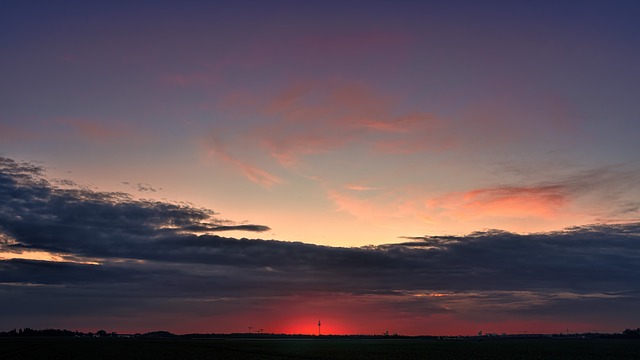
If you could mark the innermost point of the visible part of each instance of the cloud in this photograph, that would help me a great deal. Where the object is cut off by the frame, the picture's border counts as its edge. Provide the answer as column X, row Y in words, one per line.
column 141, row 187
column 356, row 187
column 378, row 208
column 40, row 216
column 255, row 174
column 96, row 130
column 604, row 194
column 153, row 258
column 14, row 133
column 540, row 201
column 534, row 201
column 311, row 117
column 584, row 260
column 308, row 117
column 552, row 260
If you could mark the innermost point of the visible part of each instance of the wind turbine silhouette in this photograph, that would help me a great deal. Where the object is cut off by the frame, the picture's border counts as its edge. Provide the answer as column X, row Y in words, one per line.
column 319, row 327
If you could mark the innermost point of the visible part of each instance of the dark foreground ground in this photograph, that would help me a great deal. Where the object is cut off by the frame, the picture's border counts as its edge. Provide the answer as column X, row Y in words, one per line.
column 160, row 349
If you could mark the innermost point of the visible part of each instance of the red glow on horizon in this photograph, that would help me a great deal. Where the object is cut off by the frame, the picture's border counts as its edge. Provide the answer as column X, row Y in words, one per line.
column 307, row 325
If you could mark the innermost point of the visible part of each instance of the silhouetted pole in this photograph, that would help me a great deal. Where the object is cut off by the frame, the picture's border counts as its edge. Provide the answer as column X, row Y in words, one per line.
column 319, row 327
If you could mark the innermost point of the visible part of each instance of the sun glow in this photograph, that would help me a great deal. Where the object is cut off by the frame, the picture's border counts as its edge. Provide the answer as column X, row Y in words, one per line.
column 309, row 326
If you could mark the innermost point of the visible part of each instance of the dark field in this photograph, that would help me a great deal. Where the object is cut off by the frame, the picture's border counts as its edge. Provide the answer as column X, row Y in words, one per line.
column 123, row 349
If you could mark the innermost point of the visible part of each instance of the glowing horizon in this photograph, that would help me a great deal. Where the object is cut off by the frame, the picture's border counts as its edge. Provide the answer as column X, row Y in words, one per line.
column 203, row 165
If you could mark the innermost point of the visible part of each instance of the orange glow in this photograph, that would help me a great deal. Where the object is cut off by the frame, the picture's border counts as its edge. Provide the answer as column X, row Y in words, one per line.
column 44, row 256
column 430, row 295
column 31, row 255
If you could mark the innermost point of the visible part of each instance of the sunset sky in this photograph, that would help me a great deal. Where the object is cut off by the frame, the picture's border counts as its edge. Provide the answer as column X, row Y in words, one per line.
column 419, row 167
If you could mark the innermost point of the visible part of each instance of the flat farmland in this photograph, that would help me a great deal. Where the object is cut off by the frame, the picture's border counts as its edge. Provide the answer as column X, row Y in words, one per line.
column 287, row 348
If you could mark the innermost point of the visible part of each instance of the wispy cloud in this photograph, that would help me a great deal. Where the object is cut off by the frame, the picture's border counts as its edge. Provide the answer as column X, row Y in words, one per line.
column 356, row 187
column 378, row 209
column 597, row 193
column 541, row 201
column 12, row 132
column 312, row 116
column 140, row 187
column 316, row 117
column 567, row 197
column 255, row 174
column 98, row 130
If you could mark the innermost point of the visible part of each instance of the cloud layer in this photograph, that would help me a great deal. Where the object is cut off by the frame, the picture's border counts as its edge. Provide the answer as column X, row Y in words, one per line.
column 130, row 262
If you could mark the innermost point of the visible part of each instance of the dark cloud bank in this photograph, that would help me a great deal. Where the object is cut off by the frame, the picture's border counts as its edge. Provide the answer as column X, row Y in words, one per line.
column 131, row 258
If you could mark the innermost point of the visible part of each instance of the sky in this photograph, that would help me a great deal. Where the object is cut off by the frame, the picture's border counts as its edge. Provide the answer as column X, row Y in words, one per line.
column 419, row 167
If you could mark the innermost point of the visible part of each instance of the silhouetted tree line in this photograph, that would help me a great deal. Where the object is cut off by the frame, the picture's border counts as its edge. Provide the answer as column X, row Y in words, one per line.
column 28, row 332
column 631, row 333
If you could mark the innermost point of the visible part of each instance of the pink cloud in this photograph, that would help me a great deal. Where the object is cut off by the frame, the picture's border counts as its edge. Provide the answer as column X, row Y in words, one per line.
column 288, row 98
column 316, row 117
column 311, row 118
column 97, row 130
column 388, row 207
column 355, row 187
column 354, row 206
column 288, row 148
column 14, row 133
column 251, row 172
column 520, row 202
column 597, row 195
